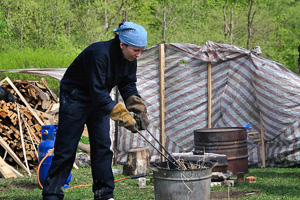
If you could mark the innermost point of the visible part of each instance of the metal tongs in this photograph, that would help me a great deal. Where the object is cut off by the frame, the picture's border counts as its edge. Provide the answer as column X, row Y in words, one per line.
column 170, row 158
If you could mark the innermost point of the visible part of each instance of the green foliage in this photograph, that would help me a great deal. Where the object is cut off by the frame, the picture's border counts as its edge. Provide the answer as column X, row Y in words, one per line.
column 65, row 27
column 38, row 58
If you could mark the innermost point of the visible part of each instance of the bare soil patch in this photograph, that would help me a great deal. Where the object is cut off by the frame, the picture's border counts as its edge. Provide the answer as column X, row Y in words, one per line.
column 233, row 194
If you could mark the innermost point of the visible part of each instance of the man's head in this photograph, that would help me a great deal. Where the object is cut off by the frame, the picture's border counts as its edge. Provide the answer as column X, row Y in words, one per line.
column 133, row 38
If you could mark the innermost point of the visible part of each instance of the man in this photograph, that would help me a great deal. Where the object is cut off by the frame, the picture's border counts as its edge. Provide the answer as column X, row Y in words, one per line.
column 85, row 99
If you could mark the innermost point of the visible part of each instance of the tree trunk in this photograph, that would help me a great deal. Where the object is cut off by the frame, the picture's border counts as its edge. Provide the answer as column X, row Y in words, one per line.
column 21, row 33
column 225, row 19
column 231, row 25
column 105, row 16
column 250, row 20
column 6, row 10
column 164, row 25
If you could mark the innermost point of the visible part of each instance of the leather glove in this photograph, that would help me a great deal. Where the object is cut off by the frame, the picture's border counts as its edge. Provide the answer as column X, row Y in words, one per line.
column 136, row 105
column 121, row 114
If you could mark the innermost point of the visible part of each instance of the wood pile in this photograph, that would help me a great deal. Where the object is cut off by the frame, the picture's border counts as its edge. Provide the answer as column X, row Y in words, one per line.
column 36, row 93
column 21, row 122
column 11, row 133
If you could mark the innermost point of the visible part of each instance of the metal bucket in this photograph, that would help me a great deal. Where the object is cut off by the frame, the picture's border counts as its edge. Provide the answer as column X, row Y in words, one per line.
column 231, row 141
column 174, row 184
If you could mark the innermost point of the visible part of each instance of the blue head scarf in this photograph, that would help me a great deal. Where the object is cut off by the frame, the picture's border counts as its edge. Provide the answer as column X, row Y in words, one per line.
column 132, row 34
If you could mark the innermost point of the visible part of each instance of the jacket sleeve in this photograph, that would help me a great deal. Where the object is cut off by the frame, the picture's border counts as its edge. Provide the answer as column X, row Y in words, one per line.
column 127, row 86
column 96, row 68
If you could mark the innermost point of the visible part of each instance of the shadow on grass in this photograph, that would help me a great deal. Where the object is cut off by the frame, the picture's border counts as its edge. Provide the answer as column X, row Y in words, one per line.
column 264, row 174
column 25, row 184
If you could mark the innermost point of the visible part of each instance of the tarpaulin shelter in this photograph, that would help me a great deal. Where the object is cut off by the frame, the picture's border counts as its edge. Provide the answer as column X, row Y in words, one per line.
column 245, row 88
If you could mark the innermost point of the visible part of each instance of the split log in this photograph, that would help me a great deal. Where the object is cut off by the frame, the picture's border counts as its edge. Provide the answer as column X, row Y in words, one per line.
column 137, row 161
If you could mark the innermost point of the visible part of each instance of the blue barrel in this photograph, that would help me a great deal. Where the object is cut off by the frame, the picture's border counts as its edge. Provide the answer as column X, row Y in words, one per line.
column 46, row 145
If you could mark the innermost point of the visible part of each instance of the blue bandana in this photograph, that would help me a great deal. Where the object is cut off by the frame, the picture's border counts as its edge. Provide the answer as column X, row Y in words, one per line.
column 132, row 34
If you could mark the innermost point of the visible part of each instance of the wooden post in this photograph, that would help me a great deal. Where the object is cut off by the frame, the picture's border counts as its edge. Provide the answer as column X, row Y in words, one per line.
column 209, row 95
column 262, row 140
column 115, row 144
column 162, row 95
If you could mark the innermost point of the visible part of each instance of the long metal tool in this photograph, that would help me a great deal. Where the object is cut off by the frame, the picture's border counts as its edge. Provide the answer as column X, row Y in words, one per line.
column 171, row 159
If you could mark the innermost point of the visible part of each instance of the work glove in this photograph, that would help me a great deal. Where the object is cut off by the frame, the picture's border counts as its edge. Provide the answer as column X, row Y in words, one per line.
column 136, row 105
column 121, row 114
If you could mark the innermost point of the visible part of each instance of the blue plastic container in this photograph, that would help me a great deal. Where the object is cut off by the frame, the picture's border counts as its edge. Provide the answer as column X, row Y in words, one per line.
column 46, row 145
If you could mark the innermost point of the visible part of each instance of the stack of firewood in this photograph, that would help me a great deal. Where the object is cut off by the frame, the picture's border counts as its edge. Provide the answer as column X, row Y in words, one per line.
column 21, row 122
column 37, row 94
column 17, row 125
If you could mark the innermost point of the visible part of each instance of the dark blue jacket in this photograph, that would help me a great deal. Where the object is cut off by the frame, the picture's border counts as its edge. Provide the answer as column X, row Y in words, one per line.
column 99, row 68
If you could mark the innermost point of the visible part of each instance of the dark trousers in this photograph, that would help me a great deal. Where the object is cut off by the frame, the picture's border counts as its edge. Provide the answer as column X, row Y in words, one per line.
column 76, row 109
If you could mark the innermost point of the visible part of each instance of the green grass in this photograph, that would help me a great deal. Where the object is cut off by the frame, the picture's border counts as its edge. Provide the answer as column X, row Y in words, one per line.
column 38, row 58
column 275, row 183
column 271, row 184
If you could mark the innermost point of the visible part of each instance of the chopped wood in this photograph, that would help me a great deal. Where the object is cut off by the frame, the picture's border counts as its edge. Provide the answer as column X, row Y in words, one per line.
column 50, row 91
column 36, row 93
column 137, row 161
column 23, row 100
column 28, row 127
column 20, row 136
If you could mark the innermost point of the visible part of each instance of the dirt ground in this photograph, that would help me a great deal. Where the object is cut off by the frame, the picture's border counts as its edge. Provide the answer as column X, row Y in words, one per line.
column 214, row 195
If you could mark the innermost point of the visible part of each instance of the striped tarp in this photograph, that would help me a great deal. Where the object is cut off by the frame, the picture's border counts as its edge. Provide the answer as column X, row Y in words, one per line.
column 246, row 88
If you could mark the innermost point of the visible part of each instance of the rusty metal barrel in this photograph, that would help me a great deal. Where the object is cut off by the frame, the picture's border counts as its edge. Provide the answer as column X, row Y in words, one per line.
column 231, row 141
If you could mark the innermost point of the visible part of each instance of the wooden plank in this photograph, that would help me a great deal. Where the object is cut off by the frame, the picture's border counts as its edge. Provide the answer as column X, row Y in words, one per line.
column 24, row 101
column 209, row 95
column 5, row 170
column 162, row 95
column 262, row 140
column 18, row 174
column 13, row 155
column 22, row 138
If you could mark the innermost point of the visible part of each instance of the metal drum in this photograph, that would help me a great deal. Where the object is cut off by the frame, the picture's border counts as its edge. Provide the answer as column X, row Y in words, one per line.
column 231, row 141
